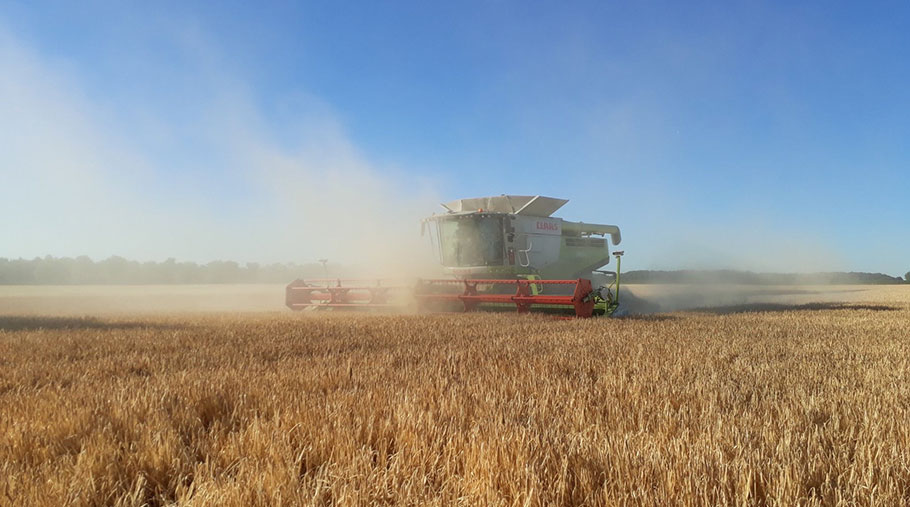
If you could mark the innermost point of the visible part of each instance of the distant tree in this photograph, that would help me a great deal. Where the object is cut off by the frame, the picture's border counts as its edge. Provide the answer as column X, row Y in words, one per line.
column 907, row 276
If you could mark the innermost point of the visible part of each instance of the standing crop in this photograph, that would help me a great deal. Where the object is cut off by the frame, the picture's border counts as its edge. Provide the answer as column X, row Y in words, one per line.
column 799, row 405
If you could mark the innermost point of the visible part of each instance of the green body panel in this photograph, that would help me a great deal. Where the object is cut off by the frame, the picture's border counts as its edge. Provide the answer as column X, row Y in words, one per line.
column 578, row 255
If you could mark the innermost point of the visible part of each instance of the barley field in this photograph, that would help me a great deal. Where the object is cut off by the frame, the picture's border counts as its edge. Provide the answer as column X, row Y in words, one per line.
column 803, row 399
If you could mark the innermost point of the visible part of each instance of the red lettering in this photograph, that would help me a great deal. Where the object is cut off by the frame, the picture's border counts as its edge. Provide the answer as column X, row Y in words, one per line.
column 547, row 226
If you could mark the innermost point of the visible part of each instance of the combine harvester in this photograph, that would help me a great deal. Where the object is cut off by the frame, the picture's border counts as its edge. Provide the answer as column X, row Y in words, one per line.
column 502, row 252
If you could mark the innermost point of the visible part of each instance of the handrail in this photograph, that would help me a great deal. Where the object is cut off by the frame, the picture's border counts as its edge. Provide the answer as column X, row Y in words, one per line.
column 527, row 254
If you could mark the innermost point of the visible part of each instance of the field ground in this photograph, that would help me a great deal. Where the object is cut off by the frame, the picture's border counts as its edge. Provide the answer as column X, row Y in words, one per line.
column 786, row 395
column 157, row 299
column 133, row 299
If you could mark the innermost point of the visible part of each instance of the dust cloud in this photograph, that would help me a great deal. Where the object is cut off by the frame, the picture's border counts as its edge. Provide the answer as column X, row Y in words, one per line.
column 224, row 179
column 726, row 298
column 744, row 245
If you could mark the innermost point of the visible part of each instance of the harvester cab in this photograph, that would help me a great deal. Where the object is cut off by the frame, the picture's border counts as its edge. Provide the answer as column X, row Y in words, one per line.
column 505, row 251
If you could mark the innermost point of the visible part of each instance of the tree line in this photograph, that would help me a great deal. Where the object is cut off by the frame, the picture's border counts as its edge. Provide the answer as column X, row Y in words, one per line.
column 751, row 278
column 119, row 271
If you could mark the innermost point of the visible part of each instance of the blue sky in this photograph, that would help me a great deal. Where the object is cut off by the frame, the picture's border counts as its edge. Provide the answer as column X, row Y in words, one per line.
column 758, row 135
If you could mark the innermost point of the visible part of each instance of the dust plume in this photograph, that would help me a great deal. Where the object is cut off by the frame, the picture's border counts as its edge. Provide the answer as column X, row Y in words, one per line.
column 731, row 244
column 224, row 178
